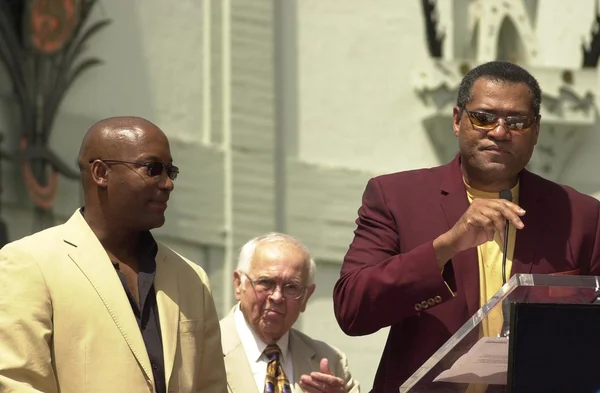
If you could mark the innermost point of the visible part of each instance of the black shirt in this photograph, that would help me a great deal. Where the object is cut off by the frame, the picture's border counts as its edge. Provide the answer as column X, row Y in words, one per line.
column 147, row 313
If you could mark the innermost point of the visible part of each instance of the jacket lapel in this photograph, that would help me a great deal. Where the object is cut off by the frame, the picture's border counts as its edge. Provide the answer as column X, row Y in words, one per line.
column 239, row 374
column 527, row 239
column 167, row 299
column 93, row 261
column 303, row 358
column 454, row 203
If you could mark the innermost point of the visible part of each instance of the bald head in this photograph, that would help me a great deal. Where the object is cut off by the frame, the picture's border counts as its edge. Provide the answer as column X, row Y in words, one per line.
column 114, row 136
column 127, row 174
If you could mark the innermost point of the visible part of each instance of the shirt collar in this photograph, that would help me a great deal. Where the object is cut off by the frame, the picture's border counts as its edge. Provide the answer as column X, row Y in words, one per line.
column 252, row 343
column 474, row 193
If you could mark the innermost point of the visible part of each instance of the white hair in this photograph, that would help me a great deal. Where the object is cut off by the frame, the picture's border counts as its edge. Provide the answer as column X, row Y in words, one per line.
column 249, row 249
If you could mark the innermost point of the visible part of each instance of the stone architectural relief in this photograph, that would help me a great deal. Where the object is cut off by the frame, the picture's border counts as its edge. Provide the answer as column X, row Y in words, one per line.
column 500, row 30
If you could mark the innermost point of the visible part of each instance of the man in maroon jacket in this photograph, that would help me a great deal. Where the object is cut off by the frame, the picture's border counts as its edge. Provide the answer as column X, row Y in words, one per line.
column 427, row 249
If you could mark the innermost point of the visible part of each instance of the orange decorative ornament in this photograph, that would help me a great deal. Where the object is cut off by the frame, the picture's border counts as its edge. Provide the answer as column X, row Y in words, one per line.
column 51, row 23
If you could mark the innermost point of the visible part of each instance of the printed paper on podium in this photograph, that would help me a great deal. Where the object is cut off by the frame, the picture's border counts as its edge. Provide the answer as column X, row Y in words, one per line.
column 485, row 363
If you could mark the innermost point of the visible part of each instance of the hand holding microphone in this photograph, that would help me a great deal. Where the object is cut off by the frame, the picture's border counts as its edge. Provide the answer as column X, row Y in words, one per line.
column 478, row 224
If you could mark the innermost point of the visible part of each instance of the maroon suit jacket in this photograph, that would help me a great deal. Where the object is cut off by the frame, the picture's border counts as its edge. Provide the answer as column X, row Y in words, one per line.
column 391, row 265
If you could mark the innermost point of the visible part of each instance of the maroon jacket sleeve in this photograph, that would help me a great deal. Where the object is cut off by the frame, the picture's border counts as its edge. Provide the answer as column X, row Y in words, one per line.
column 595, row 261
column 380, row 284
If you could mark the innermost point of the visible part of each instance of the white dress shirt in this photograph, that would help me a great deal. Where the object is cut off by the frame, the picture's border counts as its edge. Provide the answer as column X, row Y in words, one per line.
column 254, row 347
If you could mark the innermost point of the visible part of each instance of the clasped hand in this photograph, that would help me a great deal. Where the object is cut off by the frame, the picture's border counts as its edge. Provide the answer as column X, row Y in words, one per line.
column 323, row 381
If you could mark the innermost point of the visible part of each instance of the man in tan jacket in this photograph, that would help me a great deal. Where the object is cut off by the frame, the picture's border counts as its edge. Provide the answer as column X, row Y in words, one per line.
column 96, row 305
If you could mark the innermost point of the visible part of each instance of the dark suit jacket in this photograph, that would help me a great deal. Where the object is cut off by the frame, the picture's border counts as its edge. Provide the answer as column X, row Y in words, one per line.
column 391, row 265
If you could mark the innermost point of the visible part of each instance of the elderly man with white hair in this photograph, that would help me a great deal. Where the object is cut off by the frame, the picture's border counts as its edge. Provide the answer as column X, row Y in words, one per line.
column 263, row 353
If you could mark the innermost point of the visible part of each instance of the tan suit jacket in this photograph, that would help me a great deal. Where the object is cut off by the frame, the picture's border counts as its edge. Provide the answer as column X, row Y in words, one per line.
column 67, row 326
column 306, row 357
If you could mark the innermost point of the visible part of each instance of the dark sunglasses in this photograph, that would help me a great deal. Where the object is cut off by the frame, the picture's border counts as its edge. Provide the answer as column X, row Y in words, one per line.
column 489, row 121
column 155, row 168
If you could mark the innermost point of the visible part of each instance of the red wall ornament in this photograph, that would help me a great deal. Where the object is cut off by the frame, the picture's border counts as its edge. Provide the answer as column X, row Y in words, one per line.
column 51, row 23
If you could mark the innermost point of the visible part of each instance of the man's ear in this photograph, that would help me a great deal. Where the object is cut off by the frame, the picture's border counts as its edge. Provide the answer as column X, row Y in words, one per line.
column 309, row 291
column 237, row 284
column 456, row 115
column 536, row 129
column 99, row 171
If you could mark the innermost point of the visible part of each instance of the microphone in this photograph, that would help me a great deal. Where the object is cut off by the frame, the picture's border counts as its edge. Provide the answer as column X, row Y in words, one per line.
column 506, row 195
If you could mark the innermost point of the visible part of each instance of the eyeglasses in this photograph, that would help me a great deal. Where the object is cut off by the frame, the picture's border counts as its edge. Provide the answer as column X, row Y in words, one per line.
column 489, row 121
column 155, row 168
column 267, row 287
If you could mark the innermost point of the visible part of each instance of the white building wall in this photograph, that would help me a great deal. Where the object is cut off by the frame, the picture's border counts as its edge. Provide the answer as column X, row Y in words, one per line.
column 356, row 106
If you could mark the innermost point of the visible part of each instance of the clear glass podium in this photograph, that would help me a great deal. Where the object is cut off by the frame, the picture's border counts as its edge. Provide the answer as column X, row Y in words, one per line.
column 548, row 337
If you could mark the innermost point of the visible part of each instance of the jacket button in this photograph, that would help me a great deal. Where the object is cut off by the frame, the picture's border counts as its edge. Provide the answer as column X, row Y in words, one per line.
column 430, row 301
column 438, row 299
column 424, row 304
column 418, row 307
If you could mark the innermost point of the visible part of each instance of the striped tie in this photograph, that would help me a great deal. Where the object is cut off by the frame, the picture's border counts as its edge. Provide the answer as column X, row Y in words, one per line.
column 275, row 381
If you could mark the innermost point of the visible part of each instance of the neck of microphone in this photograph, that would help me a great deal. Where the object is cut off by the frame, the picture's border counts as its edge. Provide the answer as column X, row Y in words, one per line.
column 507, row 195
